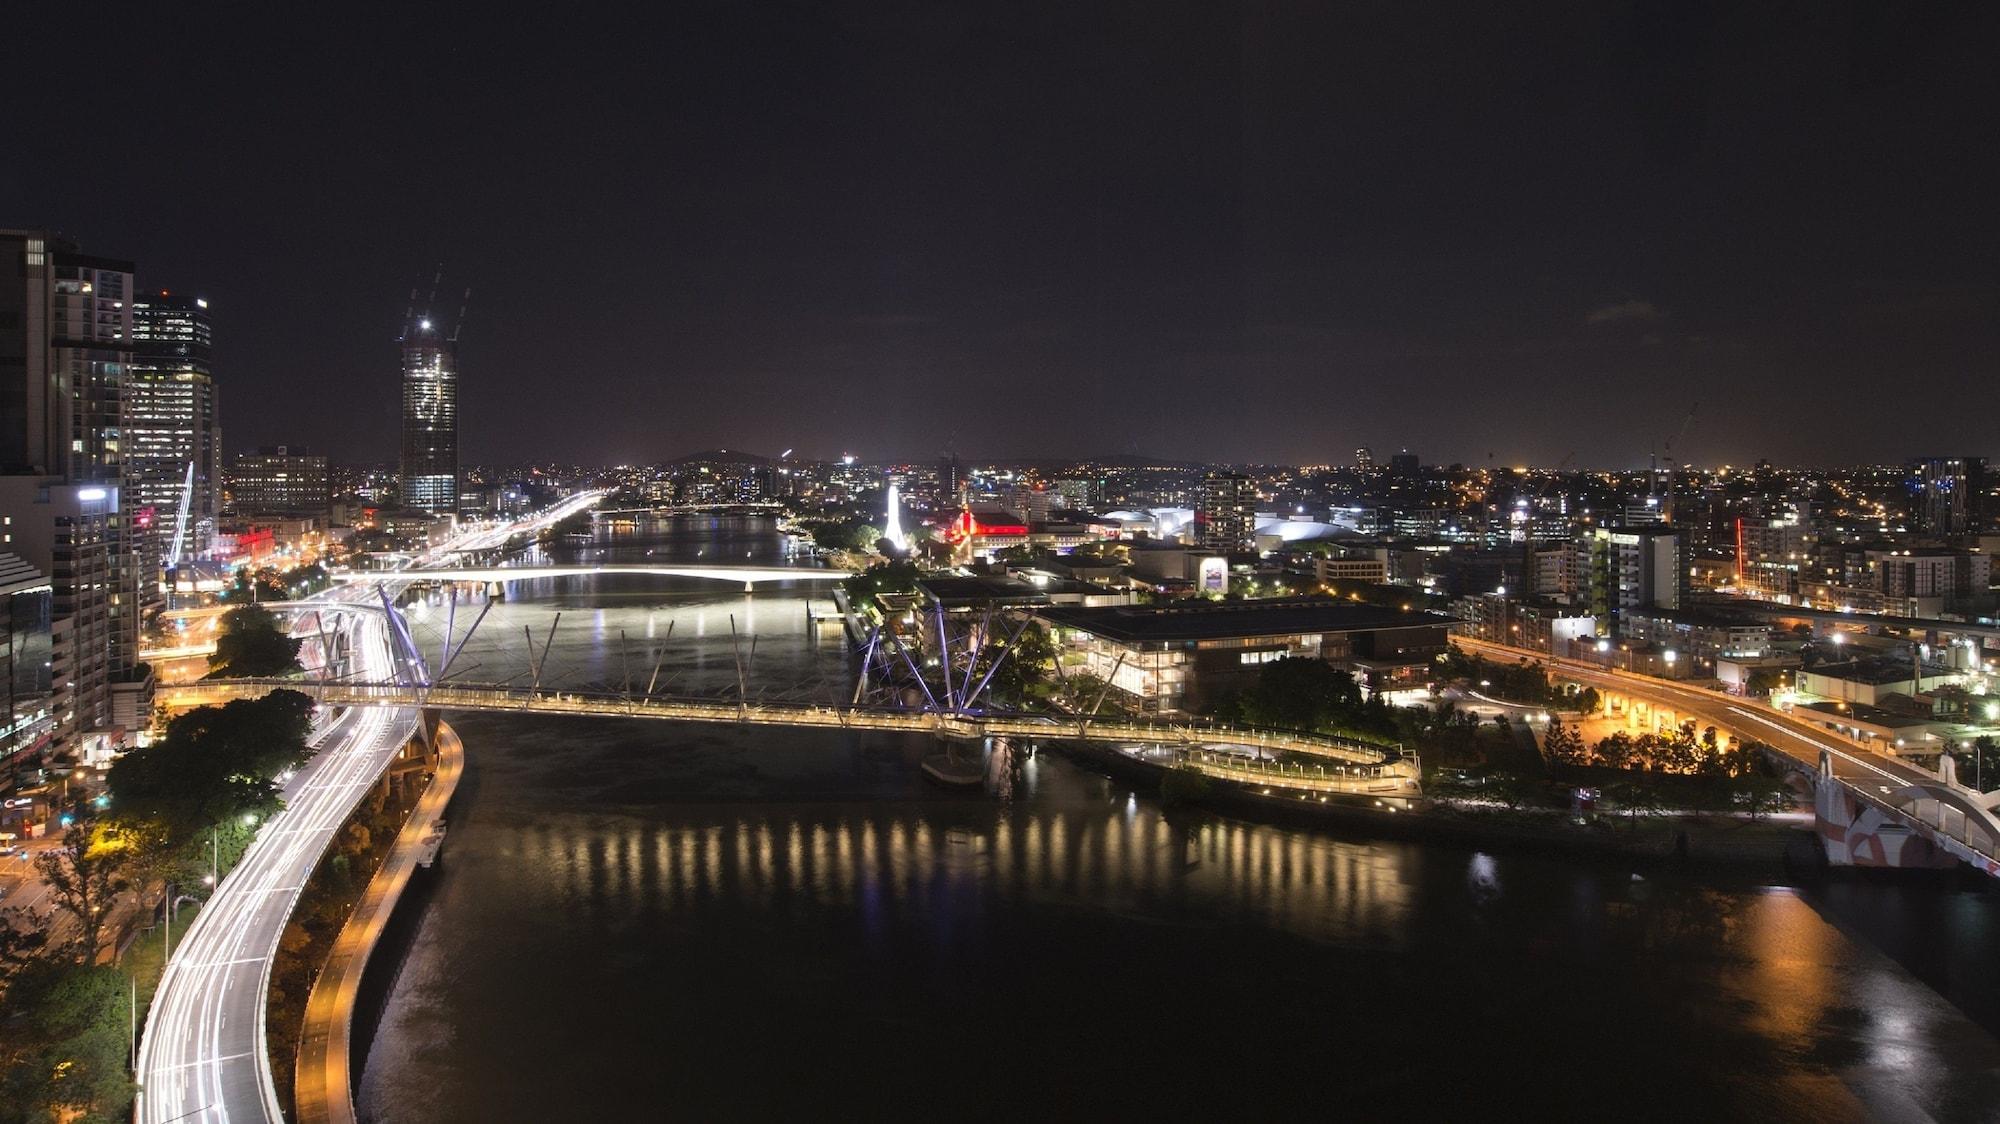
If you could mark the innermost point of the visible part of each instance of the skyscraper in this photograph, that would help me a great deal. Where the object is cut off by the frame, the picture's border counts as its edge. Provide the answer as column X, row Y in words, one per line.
column 171, row 419
column 1225, row 513
column 1948, row 495
column 65, row 356
column 951, row 482
column 430, row 418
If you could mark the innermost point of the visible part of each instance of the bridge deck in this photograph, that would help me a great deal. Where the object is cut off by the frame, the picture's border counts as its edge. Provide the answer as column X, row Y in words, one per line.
column 745, row 574
column 680, row 709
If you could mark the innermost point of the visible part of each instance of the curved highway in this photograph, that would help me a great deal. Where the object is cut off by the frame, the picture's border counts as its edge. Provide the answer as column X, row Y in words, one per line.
column 1799, row 740
column 204, row 1055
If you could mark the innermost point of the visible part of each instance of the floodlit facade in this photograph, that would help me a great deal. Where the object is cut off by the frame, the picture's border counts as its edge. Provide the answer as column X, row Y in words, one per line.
column 1630, row 567
column 1178, row 658
column 172, row 419
column 429, row 463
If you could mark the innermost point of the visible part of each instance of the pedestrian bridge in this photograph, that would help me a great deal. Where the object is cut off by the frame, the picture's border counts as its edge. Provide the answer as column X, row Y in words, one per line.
column 1376, row 762
column 750, row 576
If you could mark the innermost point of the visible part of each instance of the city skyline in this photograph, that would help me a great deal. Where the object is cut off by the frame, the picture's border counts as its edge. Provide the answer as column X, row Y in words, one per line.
column 1127, row 222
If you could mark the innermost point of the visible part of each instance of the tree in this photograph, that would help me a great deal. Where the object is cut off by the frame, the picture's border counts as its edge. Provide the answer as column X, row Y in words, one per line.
column 66, row 1055
column 1562, row 743
column 252, row 645
column 1026, row 665
column 1617, row 751
column 1587, row 701
column 216, row 764
column 1761, row 795
column 1633, row 796
column 84, row 874
column 1985, row 754
column 1299, row 693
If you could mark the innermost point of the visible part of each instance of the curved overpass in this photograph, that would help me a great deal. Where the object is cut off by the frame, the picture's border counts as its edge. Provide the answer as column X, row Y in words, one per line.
column 1964, row 819
column 203, row 1056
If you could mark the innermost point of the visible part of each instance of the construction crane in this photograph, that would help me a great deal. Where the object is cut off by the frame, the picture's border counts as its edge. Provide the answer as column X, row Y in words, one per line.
column 181, row 520
column 1666, row 504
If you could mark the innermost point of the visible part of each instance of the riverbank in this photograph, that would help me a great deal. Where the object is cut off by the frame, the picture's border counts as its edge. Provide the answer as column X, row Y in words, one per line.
column 1760, row 847
column 323, row 1085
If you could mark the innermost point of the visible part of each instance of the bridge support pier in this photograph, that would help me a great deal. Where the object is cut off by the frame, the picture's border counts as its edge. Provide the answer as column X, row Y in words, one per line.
column 1855, row 833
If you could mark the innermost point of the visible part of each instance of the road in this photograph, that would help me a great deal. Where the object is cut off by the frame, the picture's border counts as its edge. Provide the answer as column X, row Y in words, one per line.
column 203, row 1056
column 1796, row 739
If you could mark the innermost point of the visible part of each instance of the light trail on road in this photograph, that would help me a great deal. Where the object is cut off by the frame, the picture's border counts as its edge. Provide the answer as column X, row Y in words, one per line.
column 204, row 1056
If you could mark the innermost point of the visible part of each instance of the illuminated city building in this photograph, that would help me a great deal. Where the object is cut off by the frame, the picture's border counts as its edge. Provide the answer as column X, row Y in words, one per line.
column 172, row 419
column 278, row 480
column 1225, row 514
column 429, row 462
column 1947, row 495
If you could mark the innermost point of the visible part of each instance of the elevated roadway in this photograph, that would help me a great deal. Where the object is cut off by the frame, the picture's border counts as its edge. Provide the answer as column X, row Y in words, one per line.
column 1799, row 740
column 204, row 1055
column 750, row 576
column 1957, row 819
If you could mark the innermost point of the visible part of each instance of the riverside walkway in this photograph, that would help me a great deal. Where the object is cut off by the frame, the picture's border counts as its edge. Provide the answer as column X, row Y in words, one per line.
column 323, row 1087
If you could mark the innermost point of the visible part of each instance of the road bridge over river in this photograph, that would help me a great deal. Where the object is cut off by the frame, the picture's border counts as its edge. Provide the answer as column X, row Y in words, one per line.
column 750, row 576
column 1871, row 808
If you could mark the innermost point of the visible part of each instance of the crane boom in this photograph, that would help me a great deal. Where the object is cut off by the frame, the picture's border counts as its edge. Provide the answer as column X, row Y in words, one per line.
column 181, row 520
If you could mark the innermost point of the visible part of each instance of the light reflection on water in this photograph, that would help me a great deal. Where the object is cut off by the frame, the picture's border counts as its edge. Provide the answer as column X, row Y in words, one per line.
column 638, row 920
column 1313, row 887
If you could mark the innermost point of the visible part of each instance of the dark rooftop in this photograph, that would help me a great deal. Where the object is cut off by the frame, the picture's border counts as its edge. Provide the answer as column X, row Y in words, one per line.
column 1878, row 673
column 957, row 592
column 1215, row 620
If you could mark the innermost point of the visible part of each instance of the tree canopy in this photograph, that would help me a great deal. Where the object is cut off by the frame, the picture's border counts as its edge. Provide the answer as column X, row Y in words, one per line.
column 252, row 645
column 215, row 764
column 65, row 1053
column 1301, row 693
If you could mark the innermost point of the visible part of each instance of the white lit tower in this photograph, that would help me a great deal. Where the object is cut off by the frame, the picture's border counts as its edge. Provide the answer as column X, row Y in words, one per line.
column 893, row 524
column 429, row 463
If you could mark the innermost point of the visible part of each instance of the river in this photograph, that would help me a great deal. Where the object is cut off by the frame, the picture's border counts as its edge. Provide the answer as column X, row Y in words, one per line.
column 637, row 920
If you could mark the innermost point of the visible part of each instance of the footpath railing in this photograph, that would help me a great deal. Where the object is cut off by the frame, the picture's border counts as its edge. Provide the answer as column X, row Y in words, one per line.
column 1380, row 780
column 684, row 709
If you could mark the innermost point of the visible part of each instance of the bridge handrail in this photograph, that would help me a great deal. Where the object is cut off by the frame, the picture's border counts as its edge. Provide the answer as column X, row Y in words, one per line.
column 1021, row 723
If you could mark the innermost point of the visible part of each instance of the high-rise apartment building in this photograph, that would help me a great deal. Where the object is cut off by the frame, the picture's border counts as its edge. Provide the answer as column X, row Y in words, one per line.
column 1948, row 495
column 1622, row 568
column 429, row 462
column 65, row 358
column 172, row 421
column 1225, row 513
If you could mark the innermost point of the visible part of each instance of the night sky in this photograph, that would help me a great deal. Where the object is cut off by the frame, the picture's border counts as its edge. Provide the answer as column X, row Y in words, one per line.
column 1244, row 232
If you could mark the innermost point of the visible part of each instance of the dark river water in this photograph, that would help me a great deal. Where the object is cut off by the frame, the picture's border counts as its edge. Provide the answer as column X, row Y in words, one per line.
column 641, row 921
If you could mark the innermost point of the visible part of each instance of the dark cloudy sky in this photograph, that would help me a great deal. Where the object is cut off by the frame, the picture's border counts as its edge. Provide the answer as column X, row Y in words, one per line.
column 1228, row 231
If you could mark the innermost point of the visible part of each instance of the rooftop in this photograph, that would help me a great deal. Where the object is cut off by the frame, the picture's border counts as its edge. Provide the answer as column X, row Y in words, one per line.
column 1215, row 620
column 955, row 592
